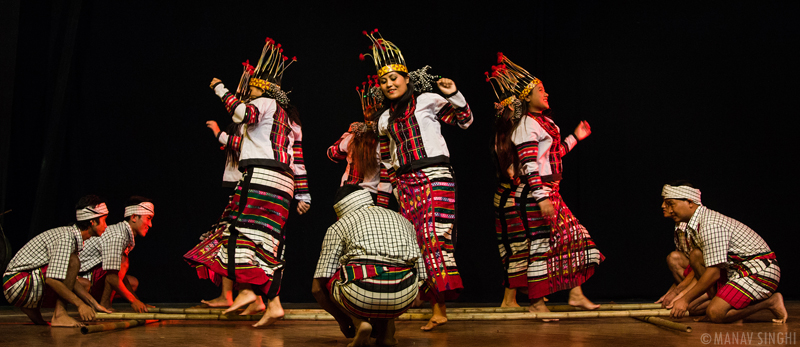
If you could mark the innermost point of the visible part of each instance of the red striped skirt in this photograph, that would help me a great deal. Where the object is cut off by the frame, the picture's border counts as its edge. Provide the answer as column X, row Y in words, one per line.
column 427, row 200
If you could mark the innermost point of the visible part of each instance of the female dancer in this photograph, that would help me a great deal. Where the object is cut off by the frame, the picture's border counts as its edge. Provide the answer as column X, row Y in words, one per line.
column 250, row 249
column 359, row 145
column 547, row 249
column 408, row 125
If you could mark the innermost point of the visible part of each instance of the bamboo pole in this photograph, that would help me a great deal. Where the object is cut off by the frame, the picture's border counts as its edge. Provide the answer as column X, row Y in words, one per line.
column 553, row 308
column 665, row 323
column 111, row 326
column 455, row 316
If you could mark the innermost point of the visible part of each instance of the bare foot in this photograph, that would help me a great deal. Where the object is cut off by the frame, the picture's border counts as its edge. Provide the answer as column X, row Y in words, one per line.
column 272, row 315
column 63, row 320
column 362, row 335
column 778, row 308
column 509, row 298
column 245, row 297
column 545, row 299
column 218, row 302
column 35, row 315
column 539, row 307
column 577, row 299
column 435, row 321
column 255, row 308
column 704, row 318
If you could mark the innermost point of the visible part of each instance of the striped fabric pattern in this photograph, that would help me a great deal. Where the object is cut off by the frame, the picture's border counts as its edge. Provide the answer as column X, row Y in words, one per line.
column 375, row 290
column 514, row 238
column 279, row 137
column 234, row 143
column 528, row 152
column 406, row 134
column 427, row 199
column 543, row 255
column 753, row 272
column 25, row 288
column 335, row 152
column 258, row 214
column 460, row 116
column 752, row 286
column 558, row 148
column 251, row 114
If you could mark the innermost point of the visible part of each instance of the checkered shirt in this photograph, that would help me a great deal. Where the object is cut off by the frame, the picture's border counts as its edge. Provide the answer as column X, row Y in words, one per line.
column 108, row 249
column 368, row 232
column 53, row 248
column 724, row 240
column 683, row 241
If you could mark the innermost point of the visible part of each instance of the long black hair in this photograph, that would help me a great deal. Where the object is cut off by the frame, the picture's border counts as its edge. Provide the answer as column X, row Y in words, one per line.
column 505, row 149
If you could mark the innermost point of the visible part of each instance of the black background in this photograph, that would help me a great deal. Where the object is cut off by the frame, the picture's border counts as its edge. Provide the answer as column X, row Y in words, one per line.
column 672, row 91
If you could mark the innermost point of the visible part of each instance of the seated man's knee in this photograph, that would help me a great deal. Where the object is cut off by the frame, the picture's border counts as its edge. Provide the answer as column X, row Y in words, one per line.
column 716, row 313
column 676, row 258
column 134, row 282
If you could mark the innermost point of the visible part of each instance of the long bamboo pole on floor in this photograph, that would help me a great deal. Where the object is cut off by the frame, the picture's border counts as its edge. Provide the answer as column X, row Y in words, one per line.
column 323, row 316
column 665, row 323
column 94, row 328
column 553, row 308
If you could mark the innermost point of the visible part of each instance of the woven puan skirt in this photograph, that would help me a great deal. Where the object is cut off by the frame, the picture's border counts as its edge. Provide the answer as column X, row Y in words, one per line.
column 26, row 288
column 375, row 290
column 542, row 255
column 427, row 198
column 247, row 245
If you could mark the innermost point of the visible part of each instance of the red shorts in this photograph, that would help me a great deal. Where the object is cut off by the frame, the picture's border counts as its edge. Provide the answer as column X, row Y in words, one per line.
column 687, row 270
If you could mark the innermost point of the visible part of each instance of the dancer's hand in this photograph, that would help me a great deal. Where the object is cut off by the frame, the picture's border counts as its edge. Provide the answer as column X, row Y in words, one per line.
column 447, row 86
column 583, row 130
column 213, row 126
column 139, row 306
column 547, row 208
column 303, row 207
column 214, row 81
column 86, row 312
column 679, row 308
column 668, row 299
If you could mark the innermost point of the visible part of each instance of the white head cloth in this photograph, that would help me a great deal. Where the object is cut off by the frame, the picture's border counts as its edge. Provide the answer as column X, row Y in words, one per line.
column 91, row 212
column 681, row 192
column 142, row 209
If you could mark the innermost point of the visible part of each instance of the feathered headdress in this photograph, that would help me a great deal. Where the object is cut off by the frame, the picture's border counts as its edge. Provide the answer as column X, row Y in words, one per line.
column 511, row 84
column 268, row 73
column 511, row 78
column 385, row 54
column 242, row 91
column 370, row 95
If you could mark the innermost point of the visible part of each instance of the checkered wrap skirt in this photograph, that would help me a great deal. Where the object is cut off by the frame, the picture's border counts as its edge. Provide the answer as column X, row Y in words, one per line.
column 544, row 256
column 427, row 198
column 250, row 233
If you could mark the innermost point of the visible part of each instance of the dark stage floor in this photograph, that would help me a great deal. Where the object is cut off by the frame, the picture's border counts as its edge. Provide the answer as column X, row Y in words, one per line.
column 16, row 330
